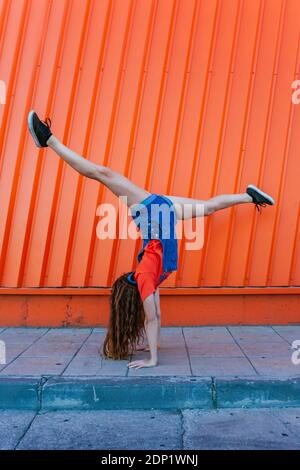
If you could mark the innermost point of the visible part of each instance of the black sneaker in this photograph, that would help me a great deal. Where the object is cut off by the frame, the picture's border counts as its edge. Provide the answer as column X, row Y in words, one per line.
column 259, row 198
column 40, row 130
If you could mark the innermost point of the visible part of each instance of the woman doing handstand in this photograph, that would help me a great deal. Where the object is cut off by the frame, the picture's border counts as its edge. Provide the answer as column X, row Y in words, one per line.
column 134, row 303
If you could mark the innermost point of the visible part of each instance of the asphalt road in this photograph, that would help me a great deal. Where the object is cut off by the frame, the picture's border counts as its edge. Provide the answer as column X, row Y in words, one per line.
column 151, row 430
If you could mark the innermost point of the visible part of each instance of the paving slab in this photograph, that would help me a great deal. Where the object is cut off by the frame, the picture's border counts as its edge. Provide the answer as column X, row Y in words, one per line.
column 49, row 349
column 270, row 366
column 72, row 332
column 96, row 337
column 237, row 429
column 13, row 351
column 216, row 349
column 25, row 330
column 251, row 329
column 105, row 430
column 254, row 334
column 90, row 348
column 269, row 349
column 36, row 366
column 206, row 334
column 261, row 338
column 22, row 334
column 221, row 366
column 13, row 425
column 22, row 344
column 89, row 367
column 96, row 366
column 289, row 333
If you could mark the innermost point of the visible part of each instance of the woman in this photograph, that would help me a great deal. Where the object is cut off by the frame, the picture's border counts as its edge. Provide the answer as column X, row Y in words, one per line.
column 135, row 307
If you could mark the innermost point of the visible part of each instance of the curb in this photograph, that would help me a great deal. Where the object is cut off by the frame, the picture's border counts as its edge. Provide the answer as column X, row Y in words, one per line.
column 169, row 393
column 20, row 393
column 127, row 393
column 258, row 393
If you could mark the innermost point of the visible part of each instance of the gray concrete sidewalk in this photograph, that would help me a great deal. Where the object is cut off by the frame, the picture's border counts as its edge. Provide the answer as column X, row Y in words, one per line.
column 235, row 351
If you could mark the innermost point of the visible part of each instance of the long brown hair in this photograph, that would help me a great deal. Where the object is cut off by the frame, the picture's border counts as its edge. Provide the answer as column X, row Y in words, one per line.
column 126, row 324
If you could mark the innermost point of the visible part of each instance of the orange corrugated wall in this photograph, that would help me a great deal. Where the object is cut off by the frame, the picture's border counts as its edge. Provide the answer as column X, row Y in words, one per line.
column 186, row 97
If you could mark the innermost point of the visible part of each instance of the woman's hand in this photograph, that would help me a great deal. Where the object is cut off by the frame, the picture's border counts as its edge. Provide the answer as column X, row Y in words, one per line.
column 142, row 363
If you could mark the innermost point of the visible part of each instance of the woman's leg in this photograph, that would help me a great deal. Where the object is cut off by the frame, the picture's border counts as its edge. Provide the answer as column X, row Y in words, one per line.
column 208, row 206
column 117, row 183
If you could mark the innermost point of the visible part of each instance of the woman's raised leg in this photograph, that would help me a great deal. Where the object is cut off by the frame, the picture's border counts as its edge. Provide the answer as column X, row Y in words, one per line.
column 116, row 182
column 187, row 208
column 120, row 185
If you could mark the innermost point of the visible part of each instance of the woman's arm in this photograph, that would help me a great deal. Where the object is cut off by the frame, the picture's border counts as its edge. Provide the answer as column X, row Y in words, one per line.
column 157, row 303
column 151, row 327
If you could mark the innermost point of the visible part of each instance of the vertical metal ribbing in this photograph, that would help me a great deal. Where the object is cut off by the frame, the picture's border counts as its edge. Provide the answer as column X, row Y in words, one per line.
column 218, row 158
column 202, row 111
column 58, row 21
column 3, row 131
column 134, row 124
column 246, row 121
column 110, row 134
column 266, row 136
